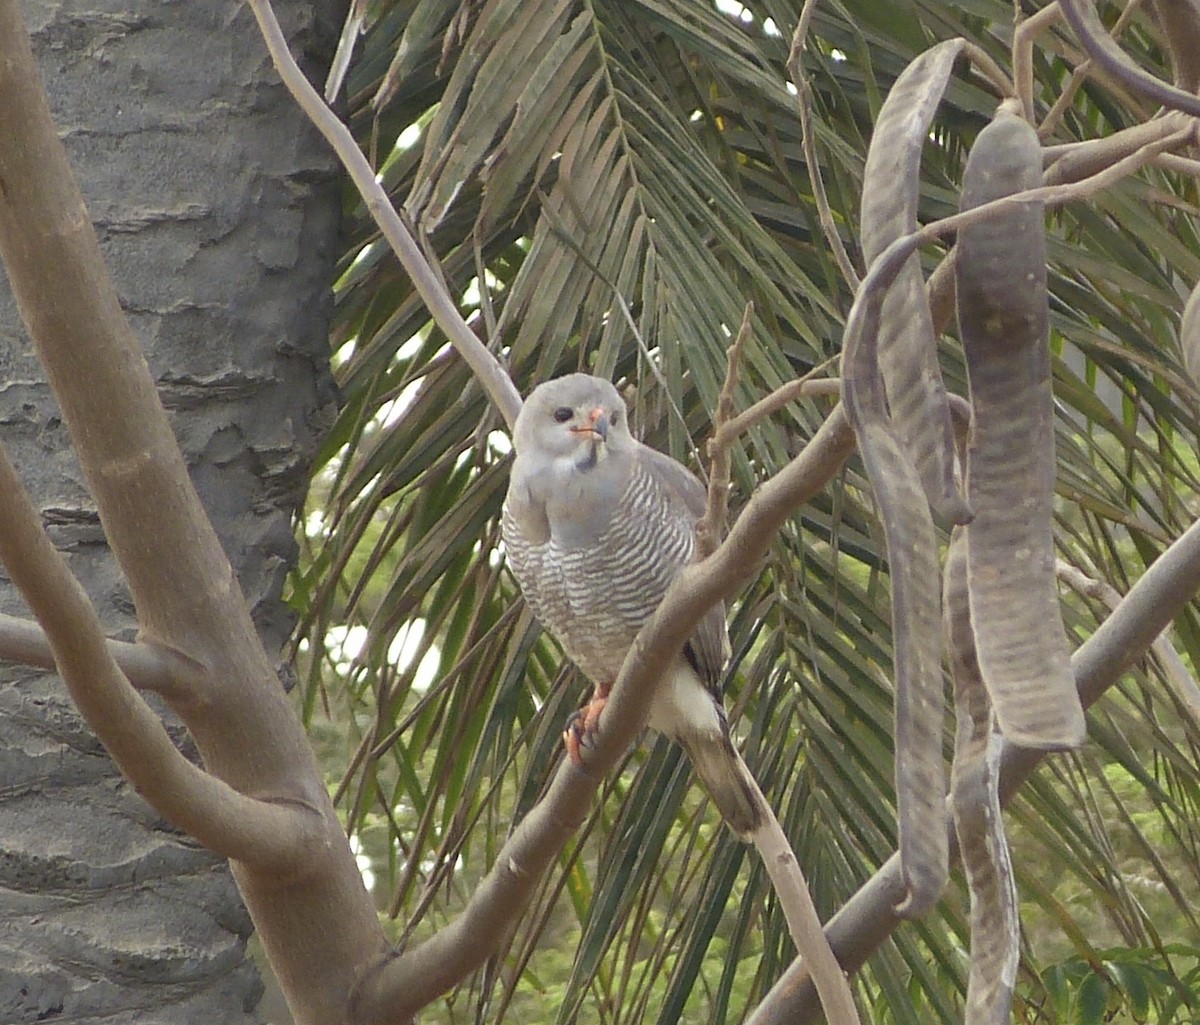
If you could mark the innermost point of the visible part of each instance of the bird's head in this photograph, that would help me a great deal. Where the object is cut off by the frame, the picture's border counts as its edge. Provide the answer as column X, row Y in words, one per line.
column 577, row 418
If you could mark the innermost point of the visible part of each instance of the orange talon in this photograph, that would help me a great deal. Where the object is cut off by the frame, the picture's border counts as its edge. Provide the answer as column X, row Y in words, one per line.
column 583, row 723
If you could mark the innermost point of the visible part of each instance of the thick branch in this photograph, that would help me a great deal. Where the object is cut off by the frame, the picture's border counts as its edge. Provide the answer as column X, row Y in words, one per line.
column 404, row 984
column 323, row 928
column 429, row 286
column 276, row 836
column 868, row 918
column 150, row 511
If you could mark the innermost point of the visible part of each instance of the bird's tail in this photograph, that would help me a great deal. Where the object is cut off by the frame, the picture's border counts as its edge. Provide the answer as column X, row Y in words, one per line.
column 727, row 779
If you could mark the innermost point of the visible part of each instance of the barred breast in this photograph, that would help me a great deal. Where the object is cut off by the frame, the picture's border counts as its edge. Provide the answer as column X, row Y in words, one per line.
column 594, row 599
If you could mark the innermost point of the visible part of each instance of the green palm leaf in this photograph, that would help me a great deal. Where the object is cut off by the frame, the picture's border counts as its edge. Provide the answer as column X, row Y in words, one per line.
column 605, row 185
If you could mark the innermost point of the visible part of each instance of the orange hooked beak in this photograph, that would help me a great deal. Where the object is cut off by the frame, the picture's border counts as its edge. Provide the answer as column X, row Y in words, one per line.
column 597, row 425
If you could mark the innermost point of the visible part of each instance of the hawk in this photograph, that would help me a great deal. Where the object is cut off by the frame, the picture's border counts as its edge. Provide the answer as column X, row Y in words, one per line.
column 596, row 526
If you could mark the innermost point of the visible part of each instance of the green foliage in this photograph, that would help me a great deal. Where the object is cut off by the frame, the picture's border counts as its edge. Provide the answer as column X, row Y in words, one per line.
column 1124, row 985
column 606, row 184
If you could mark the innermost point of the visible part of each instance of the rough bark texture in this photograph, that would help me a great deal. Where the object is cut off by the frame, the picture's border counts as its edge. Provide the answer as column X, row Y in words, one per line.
column 217, row 209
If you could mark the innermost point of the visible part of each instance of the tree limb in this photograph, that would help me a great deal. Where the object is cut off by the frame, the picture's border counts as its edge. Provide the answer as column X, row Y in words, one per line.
column 316, row 921
column 277, row 836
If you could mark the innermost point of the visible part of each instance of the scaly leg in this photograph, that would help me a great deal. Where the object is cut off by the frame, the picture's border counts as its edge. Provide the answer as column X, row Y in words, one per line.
column 585, row 722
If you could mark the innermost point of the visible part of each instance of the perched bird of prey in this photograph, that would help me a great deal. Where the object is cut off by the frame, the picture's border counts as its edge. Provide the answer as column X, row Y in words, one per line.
column 597, row 526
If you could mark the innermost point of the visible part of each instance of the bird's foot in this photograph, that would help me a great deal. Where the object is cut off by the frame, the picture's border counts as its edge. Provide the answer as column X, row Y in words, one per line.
column 582, row 724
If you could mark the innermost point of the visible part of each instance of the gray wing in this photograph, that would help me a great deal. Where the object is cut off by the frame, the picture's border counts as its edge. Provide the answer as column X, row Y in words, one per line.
column 708, row 649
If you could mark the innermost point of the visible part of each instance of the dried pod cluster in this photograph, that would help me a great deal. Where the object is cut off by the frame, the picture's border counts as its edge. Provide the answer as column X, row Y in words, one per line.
column 1000, row 608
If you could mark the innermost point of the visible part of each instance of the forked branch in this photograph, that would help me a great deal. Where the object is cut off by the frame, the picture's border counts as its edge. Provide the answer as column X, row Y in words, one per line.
column 272, row 835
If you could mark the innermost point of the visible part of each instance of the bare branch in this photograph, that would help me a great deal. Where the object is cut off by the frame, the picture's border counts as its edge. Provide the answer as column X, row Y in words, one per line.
column 868, row 918
column 165, row 671
column 805, row 387
column 1178, row 164
column 1064, row 100
column 712, row 524
column 441, row 305
column 1076, row 161
column 272, row 835
column 795, row 65
column 1173, row 668
column 264, row 776
column 804, row 923
column 989, row 70
column 1022, row 54
column 405, row 983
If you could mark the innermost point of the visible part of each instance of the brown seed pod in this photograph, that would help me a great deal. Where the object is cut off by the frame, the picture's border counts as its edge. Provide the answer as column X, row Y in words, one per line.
column 1003, row 321
column 975, row 801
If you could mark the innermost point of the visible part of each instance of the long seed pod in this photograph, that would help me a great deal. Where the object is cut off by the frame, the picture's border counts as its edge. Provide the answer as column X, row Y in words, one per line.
column 975, row 801
column 1003, row 319
column 908, row 361
column 903, row 505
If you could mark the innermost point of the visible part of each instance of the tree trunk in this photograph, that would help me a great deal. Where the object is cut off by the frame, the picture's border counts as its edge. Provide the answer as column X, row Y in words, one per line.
column 217, row 207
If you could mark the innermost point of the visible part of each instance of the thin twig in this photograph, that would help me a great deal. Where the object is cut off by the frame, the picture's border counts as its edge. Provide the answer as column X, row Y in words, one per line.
column 1022, row 54
column 1064, row 101
column 805, row 387
column 712, row 524
column 1178, row 164
column 438, row 300
column 795, row 64
column 779, row 860
column 989, row 70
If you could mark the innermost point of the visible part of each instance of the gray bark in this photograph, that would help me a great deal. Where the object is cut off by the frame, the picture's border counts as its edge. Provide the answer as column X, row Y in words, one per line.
column 217, row 210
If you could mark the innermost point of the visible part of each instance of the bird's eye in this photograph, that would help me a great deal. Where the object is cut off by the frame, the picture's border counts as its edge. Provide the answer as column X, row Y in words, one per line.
column 615, row 418
column 563, row 414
